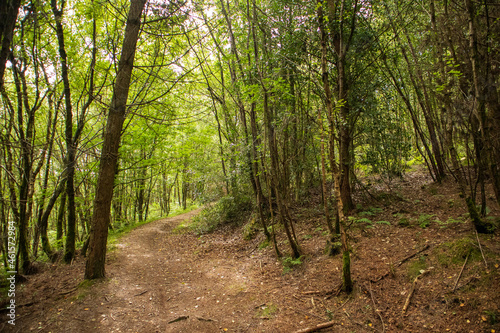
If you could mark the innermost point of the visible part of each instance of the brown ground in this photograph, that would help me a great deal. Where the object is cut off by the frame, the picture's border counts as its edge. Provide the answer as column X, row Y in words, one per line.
column 165, row 281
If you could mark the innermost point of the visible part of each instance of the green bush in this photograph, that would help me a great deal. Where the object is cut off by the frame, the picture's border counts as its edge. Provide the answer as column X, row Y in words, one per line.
column 227, row 210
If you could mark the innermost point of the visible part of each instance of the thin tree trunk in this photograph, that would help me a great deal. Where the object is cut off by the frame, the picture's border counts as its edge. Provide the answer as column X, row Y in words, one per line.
column 346, row 261
column 60, row 228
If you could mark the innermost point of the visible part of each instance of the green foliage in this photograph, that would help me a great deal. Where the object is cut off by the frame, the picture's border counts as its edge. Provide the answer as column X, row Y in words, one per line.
column 424, row 220
column 289, row 263
column 383, row 222
column 250, row 230
column 228, row 209
column 385, row 145
column 415, row 267
column 364, row 220
column 360, row 220
column 371, row 211
column 262, row 245
column 450, row 221
column 266, row 311
column 318, row 229
column 456, row 251
column 491, row 316
column 403, row 222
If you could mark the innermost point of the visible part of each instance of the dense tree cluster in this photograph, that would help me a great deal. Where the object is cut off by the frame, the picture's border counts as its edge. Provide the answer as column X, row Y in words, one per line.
column 260, row 99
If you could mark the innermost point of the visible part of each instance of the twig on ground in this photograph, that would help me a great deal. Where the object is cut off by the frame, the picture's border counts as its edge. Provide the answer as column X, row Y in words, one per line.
column 399, row 263
column 336, row 291
column 316, row 328
column 141, row 293
column 412, row 255
column 412, row 289
column 375, row 306
column 347, row 301
column 352, row 320
column 305, row 313
column 481, row 249
column 471, row 279
column 178, row 319
column 67, row 292
column 461, row 271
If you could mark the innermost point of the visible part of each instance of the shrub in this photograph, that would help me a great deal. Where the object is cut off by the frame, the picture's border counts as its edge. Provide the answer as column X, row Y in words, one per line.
column 227, row 210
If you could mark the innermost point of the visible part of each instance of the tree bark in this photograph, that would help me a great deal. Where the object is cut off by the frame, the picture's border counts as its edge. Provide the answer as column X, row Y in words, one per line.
column 95, row 265
column 8, row 17
column 337, row 172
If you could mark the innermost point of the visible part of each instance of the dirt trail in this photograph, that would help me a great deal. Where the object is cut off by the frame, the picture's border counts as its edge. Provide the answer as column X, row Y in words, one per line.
column 157, row 281
column 158, row 277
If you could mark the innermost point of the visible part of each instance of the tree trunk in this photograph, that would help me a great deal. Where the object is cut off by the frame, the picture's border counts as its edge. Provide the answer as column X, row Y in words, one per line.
column 339, row 198
column 95, row 265
column 60, row 228
column 8, row 17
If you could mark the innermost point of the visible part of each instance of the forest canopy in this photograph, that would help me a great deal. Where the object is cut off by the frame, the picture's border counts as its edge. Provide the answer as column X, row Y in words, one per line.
column 245, row 103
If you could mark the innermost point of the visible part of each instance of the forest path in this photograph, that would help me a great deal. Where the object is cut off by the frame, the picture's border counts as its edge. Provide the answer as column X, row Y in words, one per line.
column 159, row 276
column 158, row 280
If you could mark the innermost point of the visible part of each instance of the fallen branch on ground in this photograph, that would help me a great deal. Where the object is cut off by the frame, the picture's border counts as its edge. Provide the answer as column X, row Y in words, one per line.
column 316, row 328
column 412, row 255
column 67, row 292
column 178, row 319
column 336, row 291
column 461, row 271
column 412, row 289
column 305, row 313
column 399, row 263
column 375, row 307
column 141, row 293
column 481, row 249
column 471, row 279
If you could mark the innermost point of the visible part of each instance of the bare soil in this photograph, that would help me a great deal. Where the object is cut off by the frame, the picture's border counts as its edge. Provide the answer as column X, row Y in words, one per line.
column 162, row 280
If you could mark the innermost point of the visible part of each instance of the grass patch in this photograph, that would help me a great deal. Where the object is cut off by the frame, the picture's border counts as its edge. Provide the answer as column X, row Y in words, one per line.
column 455, row 252
column 267, row 311
column 416, row 267
column 262, row 245
column 86, row 284
column 83, row 289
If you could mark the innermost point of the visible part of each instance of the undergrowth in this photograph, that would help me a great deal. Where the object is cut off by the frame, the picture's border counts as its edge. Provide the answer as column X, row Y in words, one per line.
column 229, row 209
